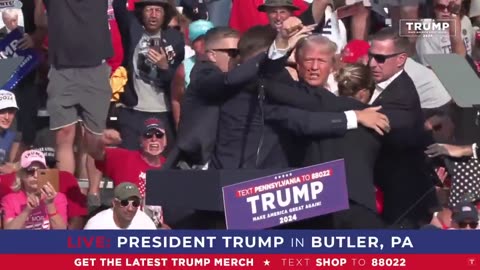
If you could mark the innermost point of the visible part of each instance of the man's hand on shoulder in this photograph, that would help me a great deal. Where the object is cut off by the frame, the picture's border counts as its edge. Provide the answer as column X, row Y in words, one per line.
column 373, row 119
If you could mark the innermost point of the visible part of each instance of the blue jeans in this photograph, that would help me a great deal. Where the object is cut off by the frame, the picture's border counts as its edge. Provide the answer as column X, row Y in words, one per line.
column 219, row 11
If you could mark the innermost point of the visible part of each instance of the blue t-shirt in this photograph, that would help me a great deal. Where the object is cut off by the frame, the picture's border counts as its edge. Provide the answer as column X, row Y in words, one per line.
column 7, row 138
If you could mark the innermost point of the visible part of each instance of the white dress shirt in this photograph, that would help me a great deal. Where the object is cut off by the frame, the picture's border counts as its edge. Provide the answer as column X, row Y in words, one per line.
column 275, row 53
column 381, row 86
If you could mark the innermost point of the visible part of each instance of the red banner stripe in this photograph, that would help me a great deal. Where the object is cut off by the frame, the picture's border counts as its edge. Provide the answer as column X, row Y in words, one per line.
column 244, row 262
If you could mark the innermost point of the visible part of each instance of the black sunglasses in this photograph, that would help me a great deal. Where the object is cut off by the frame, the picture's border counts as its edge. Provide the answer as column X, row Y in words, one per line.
column 472, row 225
column 232, row 53
column 150, row 134
column 441, row 7
column 381, row 58
column 176, row 27
column 135, row 203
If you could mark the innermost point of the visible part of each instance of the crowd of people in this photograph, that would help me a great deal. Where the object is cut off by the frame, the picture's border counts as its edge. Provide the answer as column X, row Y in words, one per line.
column 128, row 86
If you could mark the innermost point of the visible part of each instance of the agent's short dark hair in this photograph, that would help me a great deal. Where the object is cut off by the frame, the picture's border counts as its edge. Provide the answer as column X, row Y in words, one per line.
column 217, row 33
column 255, row 39
column 401, row 44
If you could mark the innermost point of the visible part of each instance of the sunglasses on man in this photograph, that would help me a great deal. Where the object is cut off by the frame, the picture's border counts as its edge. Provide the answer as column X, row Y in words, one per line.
column 232, row 53
column 149, row 134
column 472, row 225
column 135, row 203
column 381, row 58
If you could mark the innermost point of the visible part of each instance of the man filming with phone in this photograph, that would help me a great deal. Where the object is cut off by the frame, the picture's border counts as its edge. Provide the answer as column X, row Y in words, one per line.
column 154, row 51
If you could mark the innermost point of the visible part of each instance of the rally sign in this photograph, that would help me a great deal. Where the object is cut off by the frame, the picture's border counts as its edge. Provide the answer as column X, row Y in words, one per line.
column 8, row 49
column 286, row 197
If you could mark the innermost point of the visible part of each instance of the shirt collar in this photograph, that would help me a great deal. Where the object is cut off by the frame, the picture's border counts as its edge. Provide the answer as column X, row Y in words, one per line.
column 386, row 83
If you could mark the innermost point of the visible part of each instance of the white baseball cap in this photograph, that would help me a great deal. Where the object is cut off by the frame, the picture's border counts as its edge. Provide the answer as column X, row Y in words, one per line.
column 7, row 100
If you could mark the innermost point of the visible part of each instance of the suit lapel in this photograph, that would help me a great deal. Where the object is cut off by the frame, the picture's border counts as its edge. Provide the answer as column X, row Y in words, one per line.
column 378, row 100
column 387, row 90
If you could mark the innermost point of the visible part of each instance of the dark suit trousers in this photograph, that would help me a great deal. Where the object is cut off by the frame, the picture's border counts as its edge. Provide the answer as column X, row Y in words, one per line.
column 357, row 217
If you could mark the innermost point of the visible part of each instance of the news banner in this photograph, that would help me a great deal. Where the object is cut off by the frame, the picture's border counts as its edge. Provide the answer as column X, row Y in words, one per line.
column 252, row 208
column 268, row 249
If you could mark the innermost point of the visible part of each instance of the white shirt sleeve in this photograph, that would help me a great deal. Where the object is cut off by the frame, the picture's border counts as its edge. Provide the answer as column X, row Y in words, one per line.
column 474, row 150
column 274, row 53
column 352, row 122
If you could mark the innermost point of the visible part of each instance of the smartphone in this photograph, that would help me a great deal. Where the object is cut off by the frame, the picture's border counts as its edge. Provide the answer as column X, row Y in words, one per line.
column 156, row 44
column 49, row 176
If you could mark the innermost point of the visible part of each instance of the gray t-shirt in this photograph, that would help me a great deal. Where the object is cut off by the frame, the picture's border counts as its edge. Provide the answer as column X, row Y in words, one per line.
column 431, row 91
column 440, row 43
column 151, row 98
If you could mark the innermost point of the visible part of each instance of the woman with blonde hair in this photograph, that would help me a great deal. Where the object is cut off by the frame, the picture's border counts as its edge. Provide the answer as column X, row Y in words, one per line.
column 31, row 206
column 355, row 80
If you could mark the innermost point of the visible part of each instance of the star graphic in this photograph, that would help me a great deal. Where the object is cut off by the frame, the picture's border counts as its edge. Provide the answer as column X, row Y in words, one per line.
column 266, row 263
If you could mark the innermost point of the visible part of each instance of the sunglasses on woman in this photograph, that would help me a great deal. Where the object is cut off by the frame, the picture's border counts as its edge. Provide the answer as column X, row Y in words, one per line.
column 31, row 170
column 452, row 8
column 135, row 203
column 441, row 7
column 156, row 133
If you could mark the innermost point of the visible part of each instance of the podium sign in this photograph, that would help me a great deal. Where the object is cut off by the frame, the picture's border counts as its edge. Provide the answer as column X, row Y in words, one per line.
column 286, row 197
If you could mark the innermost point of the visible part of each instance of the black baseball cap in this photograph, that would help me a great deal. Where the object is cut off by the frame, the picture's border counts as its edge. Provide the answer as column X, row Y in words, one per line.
column 50, row 155
column 465, row 211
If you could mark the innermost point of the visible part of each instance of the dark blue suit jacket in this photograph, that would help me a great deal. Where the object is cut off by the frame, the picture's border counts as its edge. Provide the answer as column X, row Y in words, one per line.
column 401, row 171
column 209, row 88
column 316, row 117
